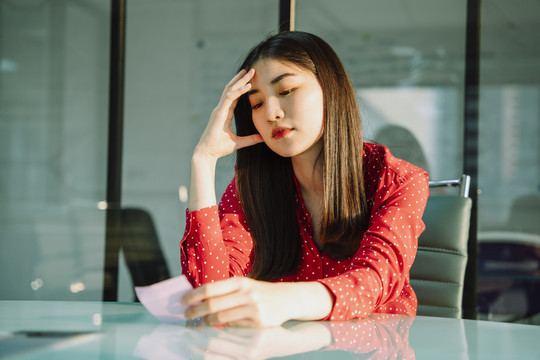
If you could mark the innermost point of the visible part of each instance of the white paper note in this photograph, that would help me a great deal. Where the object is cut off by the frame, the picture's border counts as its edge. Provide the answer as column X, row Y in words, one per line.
column 162, row 299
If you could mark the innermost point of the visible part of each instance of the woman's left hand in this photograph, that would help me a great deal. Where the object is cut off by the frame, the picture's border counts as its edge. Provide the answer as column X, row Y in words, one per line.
column 239, row 301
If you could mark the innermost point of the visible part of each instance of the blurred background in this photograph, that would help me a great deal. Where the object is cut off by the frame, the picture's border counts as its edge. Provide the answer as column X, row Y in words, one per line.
column 407, row 60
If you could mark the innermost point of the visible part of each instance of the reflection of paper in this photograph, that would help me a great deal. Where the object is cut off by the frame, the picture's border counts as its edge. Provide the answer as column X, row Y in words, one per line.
column 156, row 345
column 162, row 299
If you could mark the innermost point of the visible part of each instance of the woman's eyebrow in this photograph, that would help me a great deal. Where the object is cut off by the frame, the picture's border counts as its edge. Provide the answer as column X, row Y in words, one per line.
column 273, row 82
column 280, row 77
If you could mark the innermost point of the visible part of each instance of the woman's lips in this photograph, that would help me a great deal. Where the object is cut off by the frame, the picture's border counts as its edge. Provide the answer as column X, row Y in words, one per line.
column 278, row 133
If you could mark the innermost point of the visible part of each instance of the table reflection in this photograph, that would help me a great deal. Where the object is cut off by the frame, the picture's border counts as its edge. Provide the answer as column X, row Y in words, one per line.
column 376, row 337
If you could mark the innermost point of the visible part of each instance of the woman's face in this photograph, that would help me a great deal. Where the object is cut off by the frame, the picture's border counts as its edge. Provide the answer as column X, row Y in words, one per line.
column 287, row 108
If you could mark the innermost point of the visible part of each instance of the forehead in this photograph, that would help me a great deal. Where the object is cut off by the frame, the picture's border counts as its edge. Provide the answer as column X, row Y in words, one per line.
column 267, row 70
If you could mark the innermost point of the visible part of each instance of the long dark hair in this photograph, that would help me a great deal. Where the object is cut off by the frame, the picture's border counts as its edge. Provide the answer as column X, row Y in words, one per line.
column 265, row 180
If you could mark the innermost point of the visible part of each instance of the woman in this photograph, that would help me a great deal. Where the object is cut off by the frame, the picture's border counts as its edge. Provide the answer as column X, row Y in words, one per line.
column 316, row 224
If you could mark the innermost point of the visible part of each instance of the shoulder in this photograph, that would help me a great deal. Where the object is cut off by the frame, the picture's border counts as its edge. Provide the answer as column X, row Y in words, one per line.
column 382, row 170
column 379, row 158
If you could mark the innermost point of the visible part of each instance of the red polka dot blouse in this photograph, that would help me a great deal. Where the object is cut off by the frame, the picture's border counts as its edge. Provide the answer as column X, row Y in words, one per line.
column 217, row 243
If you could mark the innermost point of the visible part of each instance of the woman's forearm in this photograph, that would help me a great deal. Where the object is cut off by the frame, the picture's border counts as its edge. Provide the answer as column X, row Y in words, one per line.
column 202, row 191
column 218, row 140
column 308, row 300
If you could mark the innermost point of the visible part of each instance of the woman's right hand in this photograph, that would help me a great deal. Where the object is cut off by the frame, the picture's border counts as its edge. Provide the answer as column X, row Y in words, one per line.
column 218, row 139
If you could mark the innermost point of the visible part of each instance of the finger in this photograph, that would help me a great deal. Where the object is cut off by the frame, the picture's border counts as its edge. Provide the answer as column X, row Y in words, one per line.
column 250, row 140
column 240, row 81
column 232, row 106
column 245, row 323
column 239, row 315
column 229, row 100
column 217, row 304
column 233, row 94
column 242, row 78
column 239, row 87
column 209, row 290
column 237, row 77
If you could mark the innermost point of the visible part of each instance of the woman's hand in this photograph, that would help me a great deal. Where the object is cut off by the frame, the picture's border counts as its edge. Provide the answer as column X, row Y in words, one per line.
column 241, row 301
column 238, row 301
column 219, row 139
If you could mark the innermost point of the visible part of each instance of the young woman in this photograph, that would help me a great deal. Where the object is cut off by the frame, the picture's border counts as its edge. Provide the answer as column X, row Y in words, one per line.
column 316, row 224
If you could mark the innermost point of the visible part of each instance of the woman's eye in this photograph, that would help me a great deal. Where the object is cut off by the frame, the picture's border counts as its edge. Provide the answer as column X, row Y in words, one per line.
column 286, row 92
column 256, row 106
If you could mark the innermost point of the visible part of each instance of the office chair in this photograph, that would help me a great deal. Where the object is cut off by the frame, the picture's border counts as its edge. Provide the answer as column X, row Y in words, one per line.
column 403, row 144
column 438, row 272
column 142, row 251
column 524, row 214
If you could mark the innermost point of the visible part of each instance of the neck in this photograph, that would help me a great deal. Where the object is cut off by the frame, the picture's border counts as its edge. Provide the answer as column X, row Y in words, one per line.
column 308, row 172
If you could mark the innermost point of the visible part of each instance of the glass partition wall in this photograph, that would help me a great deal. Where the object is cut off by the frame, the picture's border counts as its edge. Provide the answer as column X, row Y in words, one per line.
column 54, row 58
column 179, row 57
column 407, row 61
column 54, row 100
column 509, row 162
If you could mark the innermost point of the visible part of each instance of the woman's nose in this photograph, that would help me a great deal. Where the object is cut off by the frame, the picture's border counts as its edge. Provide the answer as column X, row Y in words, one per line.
column 274, row 110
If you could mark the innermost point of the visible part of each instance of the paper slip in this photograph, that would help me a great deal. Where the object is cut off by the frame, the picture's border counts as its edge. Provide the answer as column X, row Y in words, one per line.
column 162, row 299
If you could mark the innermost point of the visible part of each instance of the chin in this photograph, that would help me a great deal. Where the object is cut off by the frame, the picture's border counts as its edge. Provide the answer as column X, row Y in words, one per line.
column 283, row 154
column 286, row 153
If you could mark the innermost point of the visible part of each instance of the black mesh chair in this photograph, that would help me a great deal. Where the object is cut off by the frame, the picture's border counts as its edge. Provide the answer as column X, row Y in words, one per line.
column 142, row 251
column 438, row 272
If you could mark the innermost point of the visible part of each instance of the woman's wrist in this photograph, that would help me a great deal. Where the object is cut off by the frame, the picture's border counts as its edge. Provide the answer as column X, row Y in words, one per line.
column 202, row 189
column 200, row 156
column 308, row 300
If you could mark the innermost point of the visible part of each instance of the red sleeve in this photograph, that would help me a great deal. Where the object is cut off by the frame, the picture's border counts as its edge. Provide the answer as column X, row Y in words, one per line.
column 216, row 243
column 378, row 278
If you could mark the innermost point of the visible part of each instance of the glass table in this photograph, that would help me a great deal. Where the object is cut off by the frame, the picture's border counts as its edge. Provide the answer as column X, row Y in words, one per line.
column 97, row 330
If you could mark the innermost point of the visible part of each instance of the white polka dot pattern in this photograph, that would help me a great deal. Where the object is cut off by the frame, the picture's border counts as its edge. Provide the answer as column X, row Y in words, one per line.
column 379, row 336
column 217, row 243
